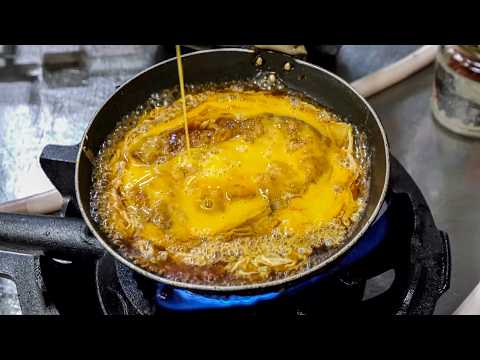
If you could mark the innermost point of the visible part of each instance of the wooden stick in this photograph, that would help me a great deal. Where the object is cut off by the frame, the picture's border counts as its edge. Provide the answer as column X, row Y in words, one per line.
column 287, row 49
column 42, row 203
column 396, row 72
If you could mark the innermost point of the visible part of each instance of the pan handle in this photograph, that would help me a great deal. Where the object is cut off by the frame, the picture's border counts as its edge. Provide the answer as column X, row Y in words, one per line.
column 59, row 237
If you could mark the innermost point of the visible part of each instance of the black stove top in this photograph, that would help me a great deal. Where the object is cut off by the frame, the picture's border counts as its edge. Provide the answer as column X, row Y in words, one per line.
column 405, row 273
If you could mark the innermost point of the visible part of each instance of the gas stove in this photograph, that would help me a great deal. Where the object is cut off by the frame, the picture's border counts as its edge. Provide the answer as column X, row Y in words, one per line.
column 403, row 246
column 402, row 266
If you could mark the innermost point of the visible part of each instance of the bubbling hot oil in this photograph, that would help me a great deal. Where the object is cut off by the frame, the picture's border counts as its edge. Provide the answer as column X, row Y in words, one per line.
column 255, row 250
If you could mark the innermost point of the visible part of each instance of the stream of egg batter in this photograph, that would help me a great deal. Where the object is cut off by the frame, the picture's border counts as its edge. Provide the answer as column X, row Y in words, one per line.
column 182, row 95
column 270, row 179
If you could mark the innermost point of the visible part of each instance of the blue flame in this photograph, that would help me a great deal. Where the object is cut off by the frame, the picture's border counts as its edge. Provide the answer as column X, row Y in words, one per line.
column 185, row 300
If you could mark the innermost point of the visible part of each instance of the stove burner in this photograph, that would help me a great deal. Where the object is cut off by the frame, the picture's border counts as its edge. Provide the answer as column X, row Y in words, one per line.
column 119, row 291
column 403, row 238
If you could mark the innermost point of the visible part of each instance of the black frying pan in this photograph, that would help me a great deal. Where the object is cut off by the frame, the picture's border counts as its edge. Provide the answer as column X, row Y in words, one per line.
column 237, row 64
column 217, row 66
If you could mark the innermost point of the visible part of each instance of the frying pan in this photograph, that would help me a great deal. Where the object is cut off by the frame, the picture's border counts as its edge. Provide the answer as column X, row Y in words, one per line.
column 219, row 65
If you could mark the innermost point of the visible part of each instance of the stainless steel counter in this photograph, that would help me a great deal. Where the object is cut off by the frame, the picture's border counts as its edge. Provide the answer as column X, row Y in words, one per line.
column 446, row 167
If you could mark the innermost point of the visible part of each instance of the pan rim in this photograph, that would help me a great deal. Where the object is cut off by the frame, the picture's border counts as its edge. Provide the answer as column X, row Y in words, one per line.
column 255, row 286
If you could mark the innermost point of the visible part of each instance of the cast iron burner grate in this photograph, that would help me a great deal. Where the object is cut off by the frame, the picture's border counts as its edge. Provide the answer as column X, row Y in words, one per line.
column 416, row 251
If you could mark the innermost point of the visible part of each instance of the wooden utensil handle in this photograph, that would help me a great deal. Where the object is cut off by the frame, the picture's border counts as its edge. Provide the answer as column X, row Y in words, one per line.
column 42, row 203
column 396, row 72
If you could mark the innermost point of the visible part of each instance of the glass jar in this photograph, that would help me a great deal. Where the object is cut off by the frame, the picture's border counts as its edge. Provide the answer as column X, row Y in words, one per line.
column 456, row 90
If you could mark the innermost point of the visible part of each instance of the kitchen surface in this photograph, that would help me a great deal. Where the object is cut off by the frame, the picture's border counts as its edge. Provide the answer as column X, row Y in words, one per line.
column 48, row 95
